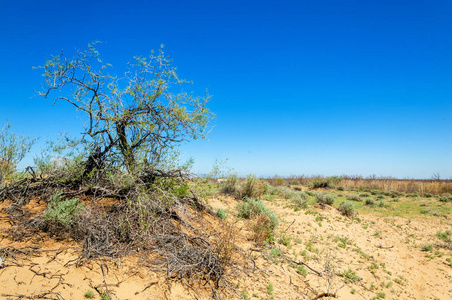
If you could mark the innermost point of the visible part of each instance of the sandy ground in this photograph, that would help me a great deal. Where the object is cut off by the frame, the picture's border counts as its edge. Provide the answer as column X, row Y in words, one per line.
column 370, row 258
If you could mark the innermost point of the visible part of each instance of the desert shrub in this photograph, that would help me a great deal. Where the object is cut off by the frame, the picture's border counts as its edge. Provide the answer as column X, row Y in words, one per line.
column 413, row 195
column 446, row 197
column 354, row 198
column 393, row 193
column 310, row 193
column 253, row 188
column 231, row 185
column 340, row 188
column 62, row 212
column 297, row 188
column 279, row 182
column 370, row 202
column 221, row 213
column 428, row 195
column 381, row 196
column 181, row 191
column 376, row 192
column 446, row 237
column 300, row 202
column 266, row 220
column 13, row 148
column 364, row 195
column 294, row 182
column 320, row 182
column 324, row 199
column 347, row 209
column 250, row 207
column 89, row 294
column 381, row 203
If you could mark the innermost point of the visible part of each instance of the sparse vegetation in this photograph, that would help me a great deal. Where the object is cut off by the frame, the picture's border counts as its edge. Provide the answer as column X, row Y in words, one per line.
column 347, row 209
column 89, row 294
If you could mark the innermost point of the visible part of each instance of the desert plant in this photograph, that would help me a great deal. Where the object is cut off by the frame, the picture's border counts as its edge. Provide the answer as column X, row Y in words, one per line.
column 253, row 188
column 279, row 182
column 340, row 188
column 63, row 212
column 132, row 121
column 320, row 182
column 324, row 199
column 13, row 148
column 370, row 202
column 350, row 276
column 354, row 198
column 231, row 185
column 347, row 209
column 265, row 219
column 250, row 207
column 446, row 237
column 89, row 294
column 221, row 213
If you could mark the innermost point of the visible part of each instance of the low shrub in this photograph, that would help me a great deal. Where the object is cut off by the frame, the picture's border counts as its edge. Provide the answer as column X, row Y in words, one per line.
column 324, row 199
column 320, row 182
column 278, row 182
column 347, row 209
column 376, row 192
column 370, row 202
column 62, row 212
column 231, row 185
column 221, row 213
column 446, row 198
column 413, row 195
column 393, row 193
column 446, row 237
column 354, row 198
column 340, row 188
column 266, row 220
column 254, row 187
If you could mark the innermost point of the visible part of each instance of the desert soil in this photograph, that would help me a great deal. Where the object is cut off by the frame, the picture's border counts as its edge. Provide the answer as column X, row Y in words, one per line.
column 316, row 252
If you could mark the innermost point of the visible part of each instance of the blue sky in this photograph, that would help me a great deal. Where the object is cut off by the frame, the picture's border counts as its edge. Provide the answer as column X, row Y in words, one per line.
column 299, row 87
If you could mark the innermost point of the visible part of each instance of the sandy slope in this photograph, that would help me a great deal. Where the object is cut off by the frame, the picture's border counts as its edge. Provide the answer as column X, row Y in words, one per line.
column 383, row 254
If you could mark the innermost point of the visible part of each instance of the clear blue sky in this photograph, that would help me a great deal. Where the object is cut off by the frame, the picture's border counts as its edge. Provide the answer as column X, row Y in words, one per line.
column 299, row 87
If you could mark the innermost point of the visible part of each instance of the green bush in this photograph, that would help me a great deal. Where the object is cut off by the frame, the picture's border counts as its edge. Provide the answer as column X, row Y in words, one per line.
column 253, row 188
column 250, row 207
column 445, row 236
column 231, row 185
column 354, row 198
column 324, row 199
column 320, row 182
column 340, row 188
column 89, row 294
column 413, row 195
column 376, row 192
column 393, row 193
column 445, row 198
column 279, row 182
column 221, row 213
column 347, row 209
column 62, row 212
column 370, row 202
